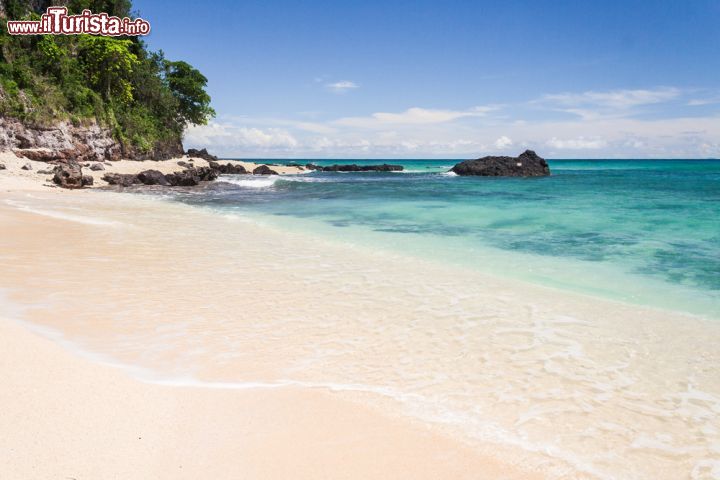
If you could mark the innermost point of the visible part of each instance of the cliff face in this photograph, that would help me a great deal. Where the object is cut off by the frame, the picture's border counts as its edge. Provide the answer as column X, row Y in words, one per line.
column 65, row 141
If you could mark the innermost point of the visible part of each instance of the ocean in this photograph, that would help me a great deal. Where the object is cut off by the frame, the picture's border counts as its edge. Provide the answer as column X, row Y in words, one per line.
column 639, row 231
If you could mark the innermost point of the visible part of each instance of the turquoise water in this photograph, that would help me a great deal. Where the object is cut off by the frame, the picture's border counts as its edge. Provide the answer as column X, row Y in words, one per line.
column 642, row 231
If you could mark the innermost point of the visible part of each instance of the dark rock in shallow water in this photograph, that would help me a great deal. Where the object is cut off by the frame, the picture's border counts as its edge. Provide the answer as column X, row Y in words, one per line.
column 264, row 170
column 528, row 164
column 362, row 168
column 228, row 168
column 69, row 175
column 201, row 154
column 312, row 166
column 191, row 176
column 186, row 178
column 121, row 179
column 152, row 177
column 207, row 174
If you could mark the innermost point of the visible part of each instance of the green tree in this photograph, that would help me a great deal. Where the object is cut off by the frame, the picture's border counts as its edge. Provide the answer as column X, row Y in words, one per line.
column 188, row 85
column 109, row 65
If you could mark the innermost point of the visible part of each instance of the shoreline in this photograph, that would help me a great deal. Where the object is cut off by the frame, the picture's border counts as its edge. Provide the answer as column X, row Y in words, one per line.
column 60, row 402
column 165, row 217
column 91, row 421
column 14, row 178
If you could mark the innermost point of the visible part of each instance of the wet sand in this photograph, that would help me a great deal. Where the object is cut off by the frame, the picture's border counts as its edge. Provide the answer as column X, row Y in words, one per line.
column 69, row 415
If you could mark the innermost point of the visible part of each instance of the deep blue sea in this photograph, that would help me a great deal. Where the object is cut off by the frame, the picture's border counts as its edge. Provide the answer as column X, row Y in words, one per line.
column 640, row 231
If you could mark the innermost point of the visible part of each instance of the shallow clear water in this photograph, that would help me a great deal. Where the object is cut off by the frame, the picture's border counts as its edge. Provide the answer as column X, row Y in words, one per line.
column 643, row 231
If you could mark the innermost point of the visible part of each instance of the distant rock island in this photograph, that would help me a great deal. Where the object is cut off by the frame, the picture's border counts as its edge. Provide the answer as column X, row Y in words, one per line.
column 527, row 164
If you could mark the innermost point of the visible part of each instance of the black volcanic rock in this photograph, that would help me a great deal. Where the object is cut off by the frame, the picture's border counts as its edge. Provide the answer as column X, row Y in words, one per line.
column 192, row 176
column 228, row 168
column 69, row 175
column 201, row 154
column 264, row 170
column 362, row 168
column 527, row 164
column 152, row 177
column 121, row 179
column 186, row 178
column 207, row 174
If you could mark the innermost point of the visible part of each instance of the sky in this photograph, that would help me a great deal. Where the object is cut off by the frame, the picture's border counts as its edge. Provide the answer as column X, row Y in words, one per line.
column 450, row 79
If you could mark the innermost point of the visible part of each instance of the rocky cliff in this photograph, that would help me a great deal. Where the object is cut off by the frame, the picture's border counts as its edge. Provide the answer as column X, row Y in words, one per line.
column 65, row 141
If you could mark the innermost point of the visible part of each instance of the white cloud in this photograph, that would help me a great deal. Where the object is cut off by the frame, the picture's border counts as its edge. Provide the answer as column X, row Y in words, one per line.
column 225, row 136
column 614, row 99
column 579, row 143
column 605, row 127
column 695, row 102
column 413, row 116
column 342, row 86
column 503, row 143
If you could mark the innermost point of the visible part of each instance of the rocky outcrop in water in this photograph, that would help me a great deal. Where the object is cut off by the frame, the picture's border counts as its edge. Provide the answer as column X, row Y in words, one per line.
column 192, row 176
column 189, row 177
column 527, row 164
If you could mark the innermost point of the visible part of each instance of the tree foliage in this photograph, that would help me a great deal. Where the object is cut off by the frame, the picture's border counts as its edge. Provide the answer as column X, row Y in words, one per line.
column 143, row 97
column 188, row 86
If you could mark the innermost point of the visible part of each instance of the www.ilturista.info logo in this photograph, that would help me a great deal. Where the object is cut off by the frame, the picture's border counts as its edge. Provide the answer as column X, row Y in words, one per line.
column 56, row 21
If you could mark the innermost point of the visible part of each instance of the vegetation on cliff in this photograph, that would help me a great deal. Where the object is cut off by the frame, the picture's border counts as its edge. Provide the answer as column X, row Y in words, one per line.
column 143, row 98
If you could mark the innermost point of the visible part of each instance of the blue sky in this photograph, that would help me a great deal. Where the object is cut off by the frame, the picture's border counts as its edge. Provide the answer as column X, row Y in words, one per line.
column 455, row 79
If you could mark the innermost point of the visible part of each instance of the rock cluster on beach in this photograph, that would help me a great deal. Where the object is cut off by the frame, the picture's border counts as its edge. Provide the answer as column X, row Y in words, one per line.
column 204, row 154
column 264, row 170
column 199, row 166
column 527, row 164
column 189, row 177
column 228, row 168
